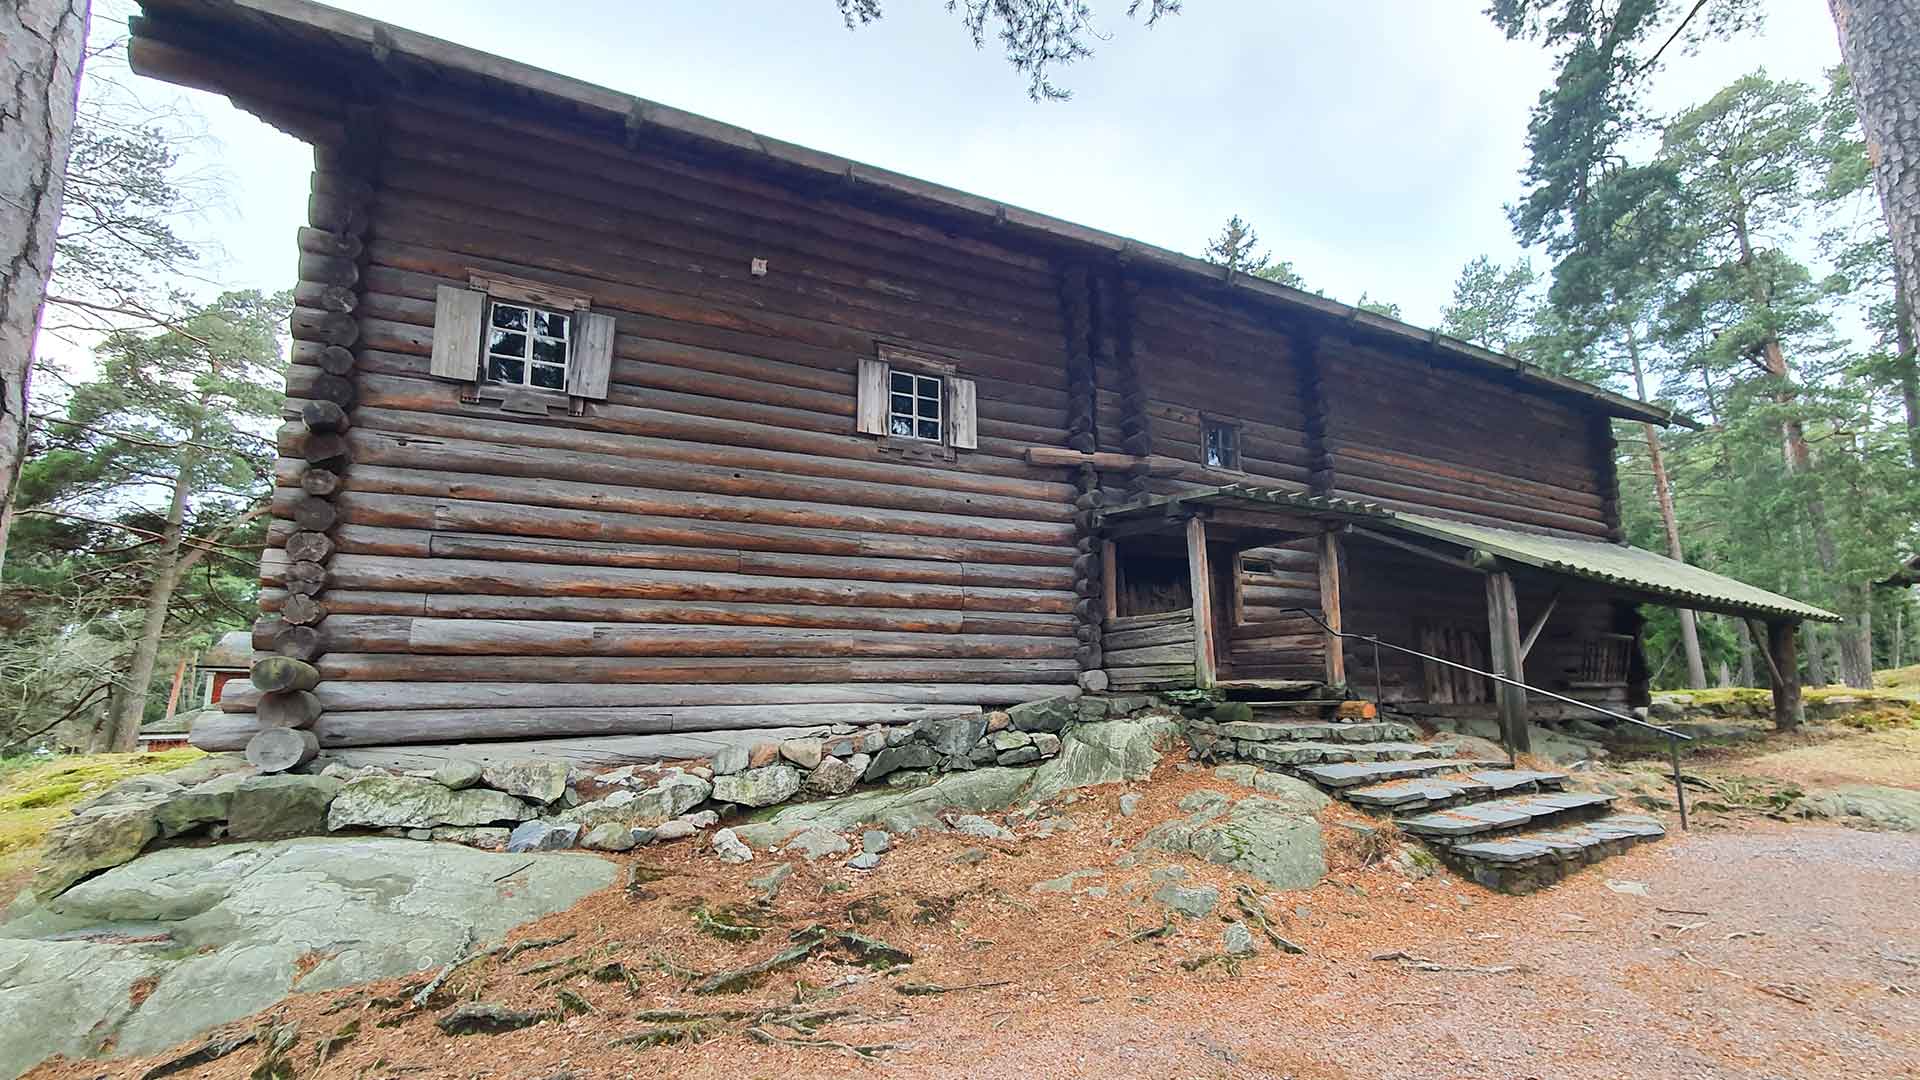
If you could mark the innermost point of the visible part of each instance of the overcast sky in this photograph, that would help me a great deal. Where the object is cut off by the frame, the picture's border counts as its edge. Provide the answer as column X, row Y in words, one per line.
column 1373, row 143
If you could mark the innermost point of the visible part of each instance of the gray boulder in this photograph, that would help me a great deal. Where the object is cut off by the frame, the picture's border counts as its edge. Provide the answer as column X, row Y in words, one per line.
column 536, row 781
column 817, row 843
column 802, row 752
column 493, row 838
column 610, row 836
column 1884, row 807
column 103, row 837
column 1192, row 901
column 199, row 805
column 239, row 926
column 764, row 786
column 1104, row 753
column 485, row 806
column 1050, row 715
column 1259, row 837
column 374, row 802
column 955, row 736
column 1236, row 940
column 265, row 807
column 729, row 848
column 975, row 825
column 730, row 759
column 908, row 756
column 672, row 795
column 833, row 777
column 458, row 774
column 542, row 836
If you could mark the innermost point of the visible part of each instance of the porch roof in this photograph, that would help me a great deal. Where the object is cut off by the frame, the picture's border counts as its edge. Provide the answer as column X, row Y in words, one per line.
column 1620, row 565
column 1655, row 577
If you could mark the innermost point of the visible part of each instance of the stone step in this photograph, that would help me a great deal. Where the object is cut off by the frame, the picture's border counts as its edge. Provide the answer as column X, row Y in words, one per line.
column 1432, row 792
column 1500, row 815
column 1358, row 731
column 1343, row 776
column 1315, row 753
column 1524, row 861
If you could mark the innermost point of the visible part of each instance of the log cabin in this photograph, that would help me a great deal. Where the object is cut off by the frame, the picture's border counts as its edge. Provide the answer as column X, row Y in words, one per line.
column 606, row 422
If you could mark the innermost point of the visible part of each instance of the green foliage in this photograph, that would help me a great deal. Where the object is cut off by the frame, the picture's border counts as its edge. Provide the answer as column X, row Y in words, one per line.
column 1037, row 36
column 172, row 437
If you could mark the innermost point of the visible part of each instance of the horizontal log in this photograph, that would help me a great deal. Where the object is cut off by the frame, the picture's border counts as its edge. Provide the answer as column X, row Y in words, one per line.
column 1169, row 634
column 521, row 638
column 598, row 669
column 338, row 696
column 227, row 731
column 1151, row 655
column 470, row 576
column 350, row 604
column 1159, row 618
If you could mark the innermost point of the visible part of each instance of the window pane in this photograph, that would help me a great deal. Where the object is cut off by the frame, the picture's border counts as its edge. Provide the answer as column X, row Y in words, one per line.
column 930, row 429
column 506, row 344
column 903, row 404
column 506, row 371
column 552, row 352
column 550, row 323
column 509, row 317
column 930, row 409
column 902, row 382
column 550, row 377
column 901, row 425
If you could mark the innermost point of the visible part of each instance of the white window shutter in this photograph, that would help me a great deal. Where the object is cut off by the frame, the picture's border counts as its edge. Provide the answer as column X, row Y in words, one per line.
column 870, row 407
column 962, row 414
column 457, row 315
column 591, row 364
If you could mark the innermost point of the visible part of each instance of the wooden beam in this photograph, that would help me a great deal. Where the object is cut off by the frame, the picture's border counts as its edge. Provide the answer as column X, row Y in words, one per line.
column 1539, row 624
column 1061, row 457
column 1109, row 580
column 1783, row 663
column 1330, row 607
column 1416, row 549
column 1503, row 623
column 1200, row 580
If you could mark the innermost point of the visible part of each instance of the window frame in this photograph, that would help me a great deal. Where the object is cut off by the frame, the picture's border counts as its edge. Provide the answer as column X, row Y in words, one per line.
column 916, row 398
column 528, row 359
column 946, row 374
column 1234, row 430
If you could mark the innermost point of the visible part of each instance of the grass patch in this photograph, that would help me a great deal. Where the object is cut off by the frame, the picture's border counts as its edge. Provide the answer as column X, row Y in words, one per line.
column 36, row 792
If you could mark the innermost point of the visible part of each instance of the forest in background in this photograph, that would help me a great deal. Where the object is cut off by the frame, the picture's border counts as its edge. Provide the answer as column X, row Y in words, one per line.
column 1729, row 260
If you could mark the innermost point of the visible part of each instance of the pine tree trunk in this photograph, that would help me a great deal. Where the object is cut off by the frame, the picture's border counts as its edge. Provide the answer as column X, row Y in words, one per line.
column 1856, row 641
column 1909, row 367
column 1880, row 42
column 1744, row 636
column 130, row 704
column 1816, row 656
column 42, row 46
column 1663, row 494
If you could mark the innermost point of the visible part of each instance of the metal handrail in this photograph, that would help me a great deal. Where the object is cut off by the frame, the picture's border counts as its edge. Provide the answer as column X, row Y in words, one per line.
column 1674, row 738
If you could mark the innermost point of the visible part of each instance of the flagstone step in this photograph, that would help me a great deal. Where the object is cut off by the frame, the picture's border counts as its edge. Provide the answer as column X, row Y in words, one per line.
column 1431, row 792
column 1524, row 861
column 1359, row 731
column 1472, row 820
column 1355, row 774
column 1314, row 753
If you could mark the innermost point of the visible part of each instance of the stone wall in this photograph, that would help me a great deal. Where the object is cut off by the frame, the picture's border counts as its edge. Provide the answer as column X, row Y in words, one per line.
column 538, row 805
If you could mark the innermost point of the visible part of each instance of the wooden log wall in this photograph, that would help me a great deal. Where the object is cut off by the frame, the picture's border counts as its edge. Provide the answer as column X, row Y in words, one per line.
column 1150, row 652
column 1409, row 436
column 715, row 524
column 1199, row 357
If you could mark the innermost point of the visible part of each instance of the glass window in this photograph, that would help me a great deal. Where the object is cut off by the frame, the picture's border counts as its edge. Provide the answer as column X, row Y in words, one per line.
column 528, row 346
column 1220, row 443
column 914, row 406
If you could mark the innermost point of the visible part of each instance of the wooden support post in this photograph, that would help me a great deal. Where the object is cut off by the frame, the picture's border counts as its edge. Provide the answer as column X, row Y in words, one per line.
column 1539, row 624
column 1330, row 607
column 1783, row 663
column 1200, row 579
column 1503, row 622
column 1109, row 580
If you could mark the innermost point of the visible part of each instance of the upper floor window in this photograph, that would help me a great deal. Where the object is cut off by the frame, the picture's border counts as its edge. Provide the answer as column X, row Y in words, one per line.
column 914, row 406
column 1220, row 444
column 527, row 345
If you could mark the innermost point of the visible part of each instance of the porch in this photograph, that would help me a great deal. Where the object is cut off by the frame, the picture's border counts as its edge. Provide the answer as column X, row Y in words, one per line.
column 1558, row 614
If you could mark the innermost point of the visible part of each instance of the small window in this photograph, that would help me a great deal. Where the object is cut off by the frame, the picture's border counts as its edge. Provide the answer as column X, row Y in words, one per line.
column 914, row 406
column 1220, row 444
column 528, row 346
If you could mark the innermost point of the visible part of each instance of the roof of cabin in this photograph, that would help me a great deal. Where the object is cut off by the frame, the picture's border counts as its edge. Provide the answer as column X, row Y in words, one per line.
column 403, row 56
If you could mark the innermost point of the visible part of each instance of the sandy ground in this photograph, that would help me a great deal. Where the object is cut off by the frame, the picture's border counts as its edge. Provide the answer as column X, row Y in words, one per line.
column 1749, row 948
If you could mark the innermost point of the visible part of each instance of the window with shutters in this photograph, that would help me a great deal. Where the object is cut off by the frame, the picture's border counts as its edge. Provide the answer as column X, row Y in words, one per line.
column 527, row 345
column 916, row 401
